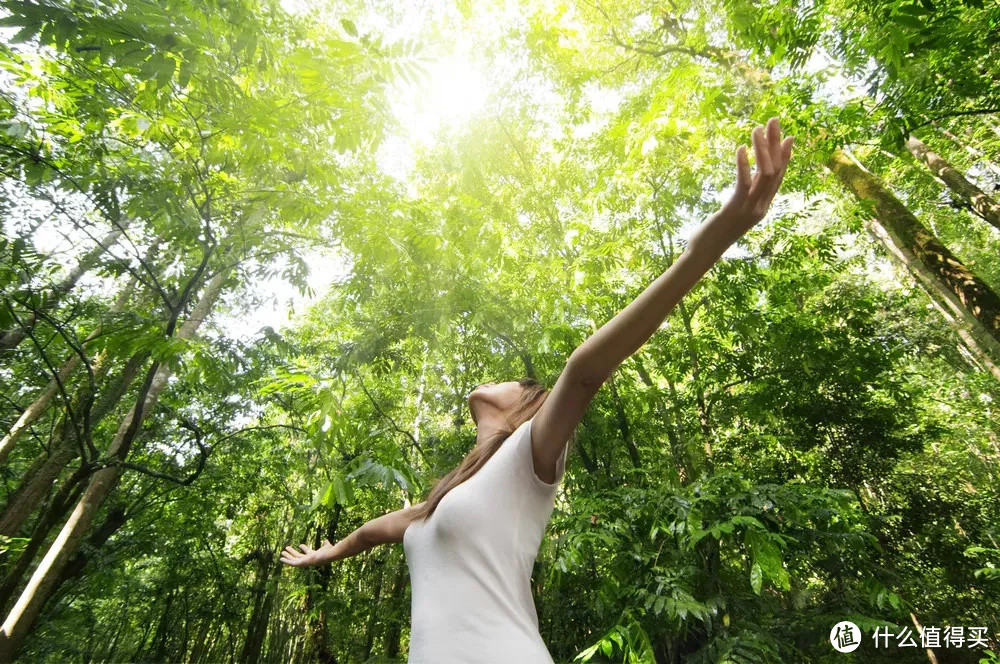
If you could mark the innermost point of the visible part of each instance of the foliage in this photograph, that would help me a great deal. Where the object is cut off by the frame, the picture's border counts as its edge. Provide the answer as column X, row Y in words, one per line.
column 805, row 440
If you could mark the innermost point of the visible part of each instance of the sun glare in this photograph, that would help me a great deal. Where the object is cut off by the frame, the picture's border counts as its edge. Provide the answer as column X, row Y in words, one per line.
column 453, row 91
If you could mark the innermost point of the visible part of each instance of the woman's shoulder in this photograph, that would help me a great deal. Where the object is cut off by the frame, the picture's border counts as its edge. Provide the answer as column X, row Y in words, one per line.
column 525, row 463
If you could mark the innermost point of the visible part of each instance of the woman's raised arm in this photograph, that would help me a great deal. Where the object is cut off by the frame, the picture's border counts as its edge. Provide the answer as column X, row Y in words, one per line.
column 596, row 358
column 385, row 529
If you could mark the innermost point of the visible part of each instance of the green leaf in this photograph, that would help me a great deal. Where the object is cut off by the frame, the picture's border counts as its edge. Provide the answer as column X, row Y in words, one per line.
column 349, row 27
column 756, row 577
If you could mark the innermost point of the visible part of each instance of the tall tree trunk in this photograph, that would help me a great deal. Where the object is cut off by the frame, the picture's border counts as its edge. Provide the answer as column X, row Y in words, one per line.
column 37, row 481
column 623, row 425
column 41, row 403
column 316, row 633
column 265, row 591
column 972, row 351
column 265, row 618
column 68, row 494
column 29, row 605
column 931, row 656
column 677, row 453
column 158, row 647
column 109, row 652
column 142, row 642
column 969, row 298
column 980, row 202
column 394, row 632
column 199, row 644
column 113, row 522
column 251, row 645
column 376, row 600
column 978, row 154
column 9, row 339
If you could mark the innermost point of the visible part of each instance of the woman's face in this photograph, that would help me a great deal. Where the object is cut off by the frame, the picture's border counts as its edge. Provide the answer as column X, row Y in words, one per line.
column 497, row 396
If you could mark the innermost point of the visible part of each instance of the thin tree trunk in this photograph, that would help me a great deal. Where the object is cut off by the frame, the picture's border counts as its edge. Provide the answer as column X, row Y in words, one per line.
column 979, row 201
column 394, row 633
column 376, row 600
column 199, row 644
column 142, row 643
column 677, row 452
column 316, row 632
column 109, row 655
column 29, row 605
column 251, row 645
column 972, row 351
column 920, row 630
column 969, row 298
column 37, row 482
column 265, row 591
column 9, row 339
column 978, row 154
column 41, row 403
column 54, row 512
column 623, row 426
column 159, row 645
column 113, row 522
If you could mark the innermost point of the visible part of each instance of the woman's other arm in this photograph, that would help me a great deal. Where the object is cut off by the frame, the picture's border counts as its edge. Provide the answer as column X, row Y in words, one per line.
column 590, row 365
column 385, row 529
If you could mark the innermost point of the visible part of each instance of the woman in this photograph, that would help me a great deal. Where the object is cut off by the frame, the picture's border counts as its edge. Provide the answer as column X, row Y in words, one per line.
column 471, row 545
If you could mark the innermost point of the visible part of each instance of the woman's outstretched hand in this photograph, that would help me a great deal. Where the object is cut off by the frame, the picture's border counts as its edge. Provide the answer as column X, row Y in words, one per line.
column 307, row 556
column 752, row 197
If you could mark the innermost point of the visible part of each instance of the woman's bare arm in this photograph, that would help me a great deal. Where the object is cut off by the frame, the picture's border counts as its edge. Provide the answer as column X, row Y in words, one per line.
column 385, row 529
column 590, row 365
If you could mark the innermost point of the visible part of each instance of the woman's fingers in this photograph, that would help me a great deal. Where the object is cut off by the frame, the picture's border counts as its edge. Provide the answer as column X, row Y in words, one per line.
column 784, row 154
column 772, row 159
column 774, row 144
column 762, row 160
column 743, row 177
column 291, row 556
column 765, row 160
column 753, row 193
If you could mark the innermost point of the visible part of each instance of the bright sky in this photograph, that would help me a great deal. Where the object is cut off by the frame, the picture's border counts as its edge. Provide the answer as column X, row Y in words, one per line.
column 457, row 87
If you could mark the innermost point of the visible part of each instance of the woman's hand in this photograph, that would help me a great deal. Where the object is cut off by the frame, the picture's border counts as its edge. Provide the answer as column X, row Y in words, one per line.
column 307, row 556
column 752, row 197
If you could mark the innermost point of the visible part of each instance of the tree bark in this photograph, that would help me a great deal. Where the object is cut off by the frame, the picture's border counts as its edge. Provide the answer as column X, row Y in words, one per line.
column 394, row 633
column 39, row 587
column 257, row 626
column 979, row 201
column 376, row 599
column 623, row 426
column 158, row 647
column 677, row 453
column 42, row 401
column 9, row 339
column 113, row 522
column 978, row 154
column 36, row 483
column 199, row 644
column 53, row 513
column 971, row 301
column 316, row 633
column 973, row 351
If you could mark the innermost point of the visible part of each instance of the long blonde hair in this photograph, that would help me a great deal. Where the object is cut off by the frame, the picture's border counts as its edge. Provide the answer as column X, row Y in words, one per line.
column 531, row 399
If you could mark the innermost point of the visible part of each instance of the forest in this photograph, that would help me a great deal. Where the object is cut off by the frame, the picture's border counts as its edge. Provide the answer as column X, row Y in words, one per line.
column 255, row 254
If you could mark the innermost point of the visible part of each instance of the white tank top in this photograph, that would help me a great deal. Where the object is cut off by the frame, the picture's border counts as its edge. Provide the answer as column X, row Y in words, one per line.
column 471, row 561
